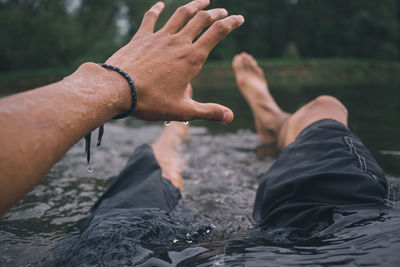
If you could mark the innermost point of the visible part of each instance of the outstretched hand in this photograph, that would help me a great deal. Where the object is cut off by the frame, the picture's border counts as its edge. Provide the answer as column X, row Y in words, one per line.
column 39, row 126
column 163, row 63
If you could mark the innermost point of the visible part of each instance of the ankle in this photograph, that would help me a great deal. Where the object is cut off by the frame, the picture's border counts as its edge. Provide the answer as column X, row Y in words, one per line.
column 269, row 125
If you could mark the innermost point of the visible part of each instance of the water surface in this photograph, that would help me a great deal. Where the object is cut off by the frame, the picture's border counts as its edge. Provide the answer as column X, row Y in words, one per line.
column 220, row 180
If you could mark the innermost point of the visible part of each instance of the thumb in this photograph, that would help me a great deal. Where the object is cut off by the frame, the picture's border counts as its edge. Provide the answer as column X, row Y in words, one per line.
column 213, row 112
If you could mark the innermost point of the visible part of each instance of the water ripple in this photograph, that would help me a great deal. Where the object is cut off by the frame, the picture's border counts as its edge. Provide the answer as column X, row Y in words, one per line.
column 220, row 181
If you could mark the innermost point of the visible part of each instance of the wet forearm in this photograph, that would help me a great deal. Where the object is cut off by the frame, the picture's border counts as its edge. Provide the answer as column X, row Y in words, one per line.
column 39, row 126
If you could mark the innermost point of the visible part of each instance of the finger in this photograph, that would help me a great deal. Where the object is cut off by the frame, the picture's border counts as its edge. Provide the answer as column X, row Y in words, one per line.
column 237, row 62
column 183, row 14
column 150, row 17
column 212, row 112
column 218, row 31
column 202, row 20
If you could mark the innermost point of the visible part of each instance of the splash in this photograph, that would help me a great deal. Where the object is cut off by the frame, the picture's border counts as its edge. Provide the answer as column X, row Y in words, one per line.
column 90, row 169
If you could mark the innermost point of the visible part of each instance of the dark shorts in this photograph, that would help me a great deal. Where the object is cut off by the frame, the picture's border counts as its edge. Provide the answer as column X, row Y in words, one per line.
column 327, row 169
column 140, row 185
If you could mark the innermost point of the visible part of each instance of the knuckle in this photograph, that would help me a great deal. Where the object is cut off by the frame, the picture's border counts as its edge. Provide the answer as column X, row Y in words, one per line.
column 192, row 58
column 196, row 66
column 201, row 55
column 184, row 55
column 174, row 41
column 193, row 62
column 221, row 28
column 151, row 14
column 195, row 57
column 184, row 11
column 205, row 16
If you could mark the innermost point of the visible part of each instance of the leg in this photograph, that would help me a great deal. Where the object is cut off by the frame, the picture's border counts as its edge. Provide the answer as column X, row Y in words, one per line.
column 134, row 212
column 323, row 107
column 251, row 81
column 273, row 124
column 325, row 169
column 166, row 150
column 140, row 183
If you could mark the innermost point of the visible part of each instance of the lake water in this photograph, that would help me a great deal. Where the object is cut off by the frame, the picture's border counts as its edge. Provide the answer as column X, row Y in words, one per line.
column 221, row 177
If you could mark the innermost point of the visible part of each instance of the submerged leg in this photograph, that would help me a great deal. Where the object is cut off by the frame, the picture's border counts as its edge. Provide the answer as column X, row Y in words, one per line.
column 273, row 124
column 326, row 169
column 141, row 183
column 166, row 150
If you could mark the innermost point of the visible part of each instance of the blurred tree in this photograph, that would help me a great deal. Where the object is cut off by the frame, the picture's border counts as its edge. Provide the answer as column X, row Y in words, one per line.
column 352, row 28
column 97, row 29
column 28, row 39
column 342, row 28
column 45, row 33
column 41, row 33
column 291, row 51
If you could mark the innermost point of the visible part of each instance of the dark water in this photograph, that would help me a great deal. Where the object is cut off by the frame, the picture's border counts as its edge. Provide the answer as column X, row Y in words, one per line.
column 220, row 180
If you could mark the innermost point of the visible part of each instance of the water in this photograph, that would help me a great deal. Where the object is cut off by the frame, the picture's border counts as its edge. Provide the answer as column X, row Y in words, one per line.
column 90, row 169
column 222, row 173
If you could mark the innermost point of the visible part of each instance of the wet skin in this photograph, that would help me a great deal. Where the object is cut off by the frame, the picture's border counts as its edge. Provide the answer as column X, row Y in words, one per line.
column 39, row 126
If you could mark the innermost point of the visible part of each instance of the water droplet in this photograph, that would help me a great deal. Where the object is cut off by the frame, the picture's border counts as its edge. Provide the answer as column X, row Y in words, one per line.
column 167, row 123
column 175, row 240
column 219, row 263
column 186, row 122
column 90, row 169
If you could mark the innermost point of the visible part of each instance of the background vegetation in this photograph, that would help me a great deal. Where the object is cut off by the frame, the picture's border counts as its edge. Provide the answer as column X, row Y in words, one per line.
column 346, row 48
column 48, row 38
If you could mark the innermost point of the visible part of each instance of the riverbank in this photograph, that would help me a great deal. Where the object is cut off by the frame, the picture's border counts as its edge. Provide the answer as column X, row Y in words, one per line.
column 280, row 72
column 310, row 72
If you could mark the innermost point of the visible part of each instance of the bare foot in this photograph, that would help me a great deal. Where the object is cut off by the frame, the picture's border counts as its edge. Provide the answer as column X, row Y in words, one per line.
column 166, row 150
column 251, row 81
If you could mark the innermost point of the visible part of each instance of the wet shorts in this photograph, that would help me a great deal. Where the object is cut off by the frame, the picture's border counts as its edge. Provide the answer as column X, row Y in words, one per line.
column 139, row 186
column 327, row 169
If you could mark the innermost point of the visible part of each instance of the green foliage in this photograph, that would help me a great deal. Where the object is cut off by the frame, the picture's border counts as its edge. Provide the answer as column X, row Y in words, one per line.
column 307, row 72
column 322, row 28
column 44, row 34
column 291, row 51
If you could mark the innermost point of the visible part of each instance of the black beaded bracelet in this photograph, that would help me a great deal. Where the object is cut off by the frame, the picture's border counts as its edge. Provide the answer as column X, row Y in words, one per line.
column 131, row 85
column 88, row 137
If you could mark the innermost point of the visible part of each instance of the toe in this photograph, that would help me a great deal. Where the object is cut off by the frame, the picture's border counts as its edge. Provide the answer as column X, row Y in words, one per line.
column 253, row 61
column 247, row 62
column 237, row 62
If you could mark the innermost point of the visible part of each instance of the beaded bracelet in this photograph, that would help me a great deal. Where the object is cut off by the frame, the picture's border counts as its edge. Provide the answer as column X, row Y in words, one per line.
column 88, row 137
column 131, row 85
